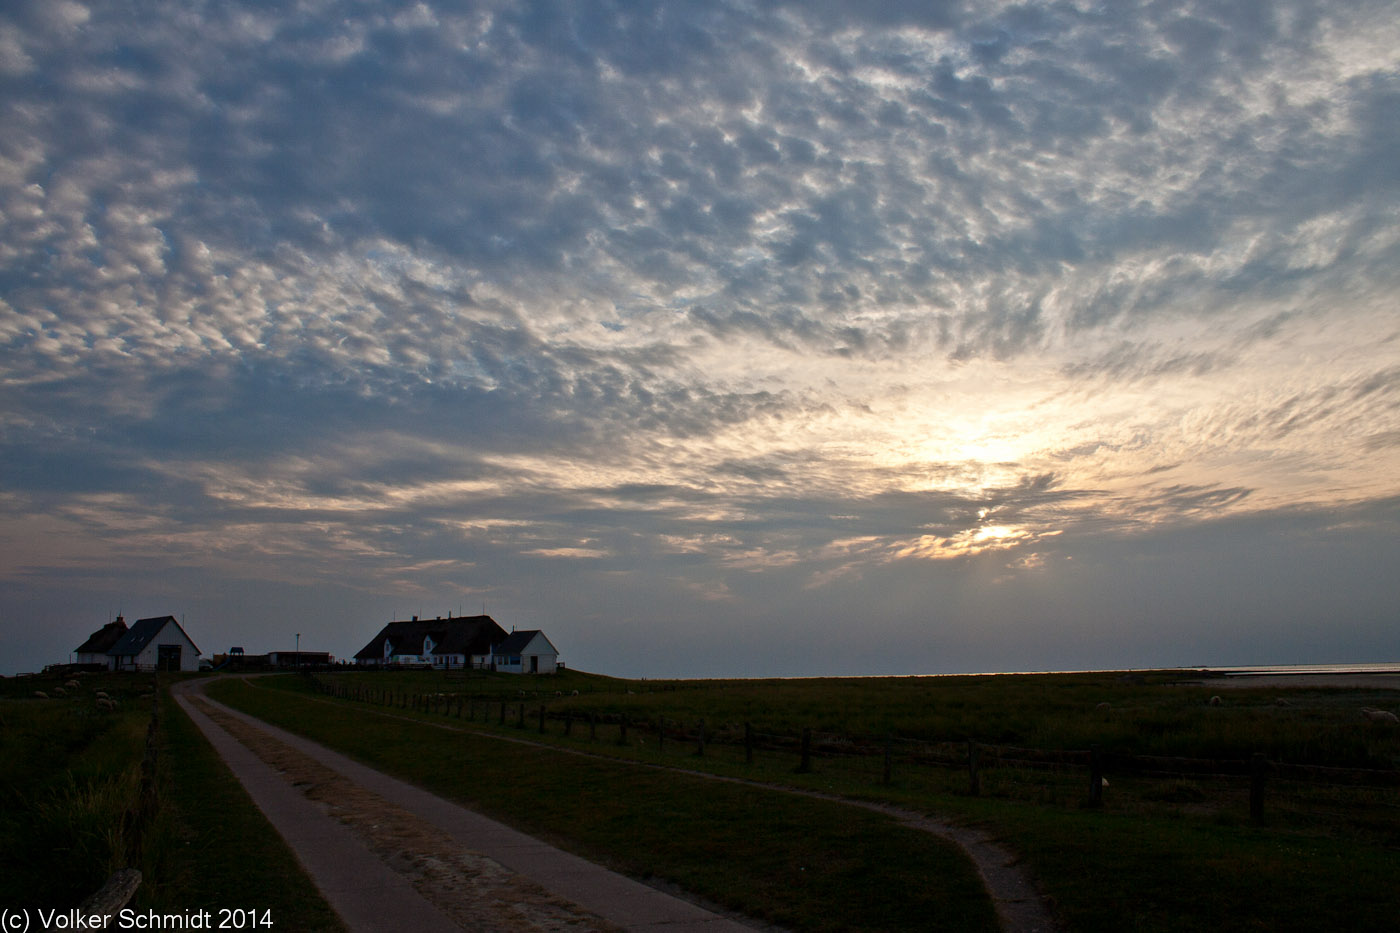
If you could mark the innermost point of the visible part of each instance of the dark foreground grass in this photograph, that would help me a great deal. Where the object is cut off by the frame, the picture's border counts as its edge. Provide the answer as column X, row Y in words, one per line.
column 70, row 775
column 69, row 771
column 800, row 863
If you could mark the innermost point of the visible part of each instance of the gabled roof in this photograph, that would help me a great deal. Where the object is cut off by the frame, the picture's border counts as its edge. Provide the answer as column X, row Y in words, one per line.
column 141, row 634
column 466, row 635
column 516, row 642
column 102, row 640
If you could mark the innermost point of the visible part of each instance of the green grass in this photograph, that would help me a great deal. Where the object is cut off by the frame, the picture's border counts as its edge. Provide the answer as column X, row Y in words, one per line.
column 800, row 863
column 1166, row 854
column 69, row 774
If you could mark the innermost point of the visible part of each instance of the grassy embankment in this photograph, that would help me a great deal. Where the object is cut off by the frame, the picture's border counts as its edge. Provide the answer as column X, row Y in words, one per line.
column 70, row 774
column 1161, row 854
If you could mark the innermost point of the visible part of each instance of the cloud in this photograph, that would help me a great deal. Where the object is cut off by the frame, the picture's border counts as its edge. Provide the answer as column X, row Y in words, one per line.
column 767, row 299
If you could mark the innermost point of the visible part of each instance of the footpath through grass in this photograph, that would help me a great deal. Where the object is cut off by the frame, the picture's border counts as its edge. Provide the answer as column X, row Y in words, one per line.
column 1175, row 853
column 800, row 863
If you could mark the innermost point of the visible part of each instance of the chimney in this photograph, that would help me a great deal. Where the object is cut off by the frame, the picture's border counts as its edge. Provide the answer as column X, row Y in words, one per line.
column 415, row 618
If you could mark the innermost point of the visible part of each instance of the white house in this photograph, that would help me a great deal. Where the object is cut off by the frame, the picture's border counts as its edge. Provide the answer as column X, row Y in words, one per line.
column 156, row 644
column 527, row 652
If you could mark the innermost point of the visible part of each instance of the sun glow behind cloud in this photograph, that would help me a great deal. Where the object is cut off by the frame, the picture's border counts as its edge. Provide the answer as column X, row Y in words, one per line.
column 772, row 308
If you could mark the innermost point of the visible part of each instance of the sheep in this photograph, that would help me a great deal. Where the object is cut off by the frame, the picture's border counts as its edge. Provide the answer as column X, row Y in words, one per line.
column 1379, row 715
column 1216, row 701
column 72, row 685
column 59, row 692
column 1104, row 706
column 104, row 703
column 575, row 693
column 40, row 695
column 102, row 695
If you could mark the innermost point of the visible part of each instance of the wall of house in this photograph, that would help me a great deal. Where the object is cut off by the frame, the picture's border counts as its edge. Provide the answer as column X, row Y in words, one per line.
column 149, row 658
column 538, row 648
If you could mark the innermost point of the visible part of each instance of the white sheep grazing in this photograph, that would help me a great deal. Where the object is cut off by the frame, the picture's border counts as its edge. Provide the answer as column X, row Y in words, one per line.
column 59, row 692
column 575, row 693
column 106, row 704
column 72, row 685
column 1379, row 715
column 1216, row 701
column 41, row 695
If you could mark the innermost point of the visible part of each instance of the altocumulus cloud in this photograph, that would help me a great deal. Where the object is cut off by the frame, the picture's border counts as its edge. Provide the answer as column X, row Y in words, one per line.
column 713, row 338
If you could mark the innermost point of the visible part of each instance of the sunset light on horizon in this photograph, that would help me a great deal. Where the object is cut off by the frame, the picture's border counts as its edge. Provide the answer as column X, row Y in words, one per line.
column 713, row 339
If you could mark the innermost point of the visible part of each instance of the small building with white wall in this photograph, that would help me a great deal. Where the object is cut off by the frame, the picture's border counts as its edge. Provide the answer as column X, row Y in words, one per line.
column 526, row 652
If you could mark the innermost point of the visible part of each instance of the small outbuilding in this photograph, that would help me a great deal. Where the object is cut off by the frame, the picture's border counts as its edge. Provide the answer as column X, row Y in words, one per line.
column 525, row 652
column 155, row 644
column 299, row 659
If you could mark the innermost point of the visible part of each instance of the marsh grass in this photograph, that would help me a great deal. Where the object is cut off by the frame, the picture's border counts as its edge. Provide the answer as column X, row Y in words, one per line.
column 69, row 774
column 70, row 782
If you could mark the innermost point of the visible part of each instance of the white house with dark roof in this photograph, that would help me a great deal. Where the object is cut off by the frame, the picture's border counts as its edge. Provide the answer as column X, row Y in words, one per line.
column 525, row 652
column 155, row 644
column 461, row 642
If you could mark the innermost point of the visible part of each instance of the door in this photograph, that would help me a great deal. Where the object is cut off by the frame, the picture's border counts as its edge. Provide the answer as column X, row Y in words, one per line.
column 169, row 658
column 534, row 664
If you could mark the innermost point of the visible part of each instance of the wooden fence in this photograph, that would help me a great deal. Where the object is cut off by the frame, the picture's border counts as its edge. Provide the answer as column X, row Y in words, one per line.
column 882, row 755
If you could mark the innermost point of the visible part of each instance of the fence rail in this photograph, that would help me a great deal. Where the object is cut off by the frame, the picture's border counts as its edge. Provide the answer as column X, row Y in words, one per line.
column 885, row 753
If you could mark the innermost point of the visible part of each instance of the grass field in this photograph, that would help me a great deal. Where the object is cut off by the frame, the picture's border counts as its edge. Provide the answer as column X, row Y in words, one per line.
column 1161, row 854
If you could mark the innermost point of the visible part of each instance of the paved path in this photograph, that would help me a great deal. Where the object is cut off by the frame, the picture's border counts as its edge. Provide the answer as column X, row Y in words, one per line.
column 369, row 895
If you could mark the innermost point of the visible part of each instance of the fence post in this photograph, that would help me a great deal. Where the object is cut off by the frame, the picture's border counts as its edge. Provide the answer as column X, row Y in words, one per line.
column 889, row 753
column 700, row 747
column 806, row 764
column 748, row 743
column 1095, row 777
column 974, row 781
column 1257, row 768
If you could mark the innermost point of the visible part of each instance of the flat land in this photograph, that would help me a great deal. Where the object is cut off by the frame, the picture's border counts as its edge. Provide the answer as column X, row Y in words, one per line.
column 622, row 772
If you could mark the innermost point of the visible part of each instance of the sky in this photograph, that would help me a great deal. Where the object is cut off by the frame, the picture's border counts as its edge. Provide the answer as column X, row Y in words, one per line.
column 714, row 338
